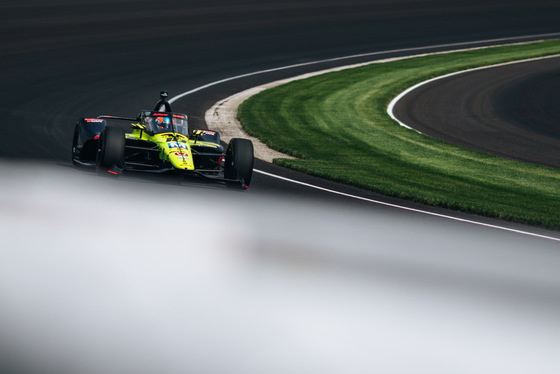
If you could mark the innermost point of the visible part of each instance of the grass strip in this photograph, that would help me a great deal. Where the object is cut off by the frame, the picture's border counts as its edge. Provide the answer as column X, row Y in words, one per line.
column 338, row 126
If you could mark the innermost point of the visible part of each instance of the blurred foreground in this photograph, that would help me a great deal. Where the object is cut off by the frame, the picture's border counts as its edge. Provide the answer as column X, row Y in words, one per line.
column 130, row 276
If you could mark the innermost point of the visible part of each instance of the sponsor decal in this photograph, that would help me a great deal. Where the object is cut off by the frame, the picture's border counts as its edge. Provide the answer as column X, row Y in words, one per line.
column 160, row 114
column 204, row 132
column 182, row 154
column 177, row 145
column 178, row 116
column 95, row 120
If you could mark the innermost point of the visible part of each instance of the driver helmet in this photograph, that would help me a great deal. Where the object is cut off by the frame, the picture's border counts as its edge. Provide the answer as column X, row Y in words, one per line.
column 163, row 123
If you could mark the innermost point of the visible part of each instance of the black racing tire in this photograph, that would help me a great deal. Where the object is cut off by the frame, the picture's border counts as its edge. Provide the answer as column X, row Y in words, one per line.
column 239, row 161
column 75, row 145
column 110, row 150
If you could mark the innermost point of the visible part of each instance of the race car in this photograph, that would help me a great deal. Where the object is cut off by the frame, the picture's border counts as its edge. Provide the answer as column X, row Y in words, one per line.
column 160, row 142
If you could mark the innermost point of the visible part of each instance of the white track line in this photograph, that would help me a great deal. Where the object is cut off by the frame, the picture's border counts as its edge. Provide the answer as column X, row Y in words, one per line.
column 406, row 208
column 392, row 104
column 371, row 55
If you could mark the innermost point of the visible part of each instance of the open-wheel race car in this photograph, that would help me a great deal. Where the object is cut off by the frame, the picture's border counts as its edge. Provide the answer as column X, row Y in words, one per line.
column 161, row 142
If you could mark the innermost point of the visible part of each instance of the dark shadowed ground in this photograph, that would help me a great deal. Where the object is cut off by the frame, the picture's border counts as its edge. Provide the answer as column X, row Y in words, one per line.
column 61, row 60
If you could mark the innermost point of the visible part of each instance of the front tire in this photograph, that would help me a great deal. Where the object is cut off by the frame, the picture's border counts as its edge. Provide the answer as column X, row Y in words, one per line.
column 239, row 161
column 110, row 150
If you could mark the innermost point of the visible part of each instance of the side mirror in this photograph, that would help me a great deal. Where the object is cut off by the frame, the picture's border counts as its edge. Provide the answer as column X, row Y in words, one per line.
column 195, row 135
column 138, row 126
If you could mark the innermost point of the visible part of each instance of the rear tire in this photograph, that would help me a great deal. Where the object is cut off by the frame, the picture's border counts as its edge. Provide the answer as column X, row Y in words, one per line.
column 75, row 153
column 239, row 161
column 110, row 151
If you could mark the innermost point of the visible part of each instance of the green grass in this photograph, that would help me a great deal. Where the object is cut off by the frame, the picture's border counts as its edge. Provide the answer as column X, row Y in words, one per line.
column 338, row 126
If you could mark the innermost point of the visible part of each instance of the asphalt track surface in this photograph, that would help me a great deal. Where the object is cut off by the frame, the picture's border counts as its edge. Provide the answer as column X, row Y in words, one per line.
column 510, row 111
column 63, row 60
column 65, row 296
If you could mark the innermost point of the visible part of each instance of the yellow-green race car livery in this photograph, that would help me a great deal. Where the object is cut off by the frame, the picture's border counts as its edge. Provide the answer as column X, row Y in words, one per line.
column 160, row 141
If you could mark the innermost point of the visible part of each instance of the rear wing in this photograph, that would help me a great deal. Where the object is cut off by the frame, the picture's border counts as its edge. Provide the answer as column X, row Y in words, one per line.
column 118, row 118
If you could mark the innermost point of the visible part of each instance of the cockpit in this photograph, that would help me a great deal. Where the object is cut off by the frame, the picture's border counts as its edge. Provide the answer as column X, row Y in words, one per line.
column 160, row 122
